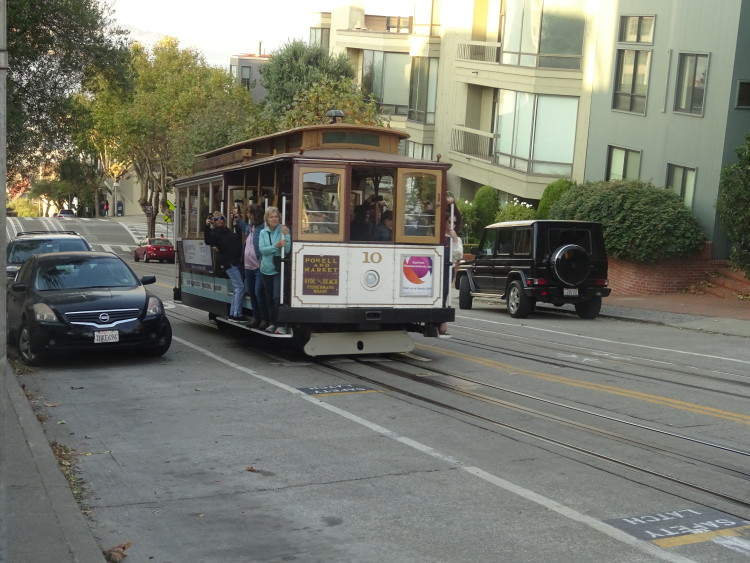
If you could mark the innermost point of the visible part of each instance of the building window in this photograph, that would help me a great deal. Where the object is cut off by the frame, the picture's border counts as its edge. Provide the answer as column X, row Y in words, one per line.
column 423, row 90
column 631, row 80
column 535, row 133
column 623, row 164
column 743, row 94
column 385, row 76
column 417, row 150
column 691, row 83
column 636, row 29
column 245, row 74
column 545, row 33
column 682, row 181
column 320, row 36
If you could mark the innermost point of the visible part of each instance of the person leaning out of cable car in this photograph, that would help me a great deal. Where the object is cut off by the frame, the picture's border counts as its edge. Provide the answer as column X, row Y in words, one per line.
column 273, row 238
column 251, row 252
column 228, row 242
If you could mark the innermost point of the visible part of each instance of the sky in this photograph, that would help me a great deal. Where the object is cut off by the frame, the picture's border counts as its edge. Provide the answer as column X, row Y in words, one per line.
column 222, row 28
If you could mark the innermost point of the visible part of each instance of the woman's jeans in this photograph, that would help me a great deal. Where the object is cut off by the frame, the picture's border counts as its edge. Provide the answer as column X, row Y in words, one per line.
column 272, row 288
column 238, row 291
column 254, row 288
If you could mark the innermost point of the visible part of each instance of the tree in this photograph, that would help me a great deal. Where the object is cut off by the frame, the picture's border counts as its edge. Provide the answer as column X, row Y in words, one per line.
column 178, row 106
column 733, row 206
column 310, row 106
column 54, row 46
column 295, row 68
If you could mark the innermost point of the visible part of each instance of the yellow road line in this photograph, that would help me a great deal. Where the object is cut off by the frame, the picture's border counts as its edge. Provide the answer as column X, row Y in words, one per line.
column 664, row 401
column 698, row 538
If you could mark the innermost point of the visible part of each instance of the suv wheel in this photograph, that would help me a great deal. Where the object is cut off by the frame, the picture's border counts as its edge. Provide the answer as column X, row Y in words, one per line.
column 571, row 264
column 464, row 293
column 519, row 305
column 589, row 309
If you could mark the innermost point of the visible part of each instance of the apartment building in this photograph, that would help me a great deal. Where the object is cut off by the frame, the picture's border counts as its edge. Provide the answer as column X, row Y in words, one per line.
column 245, row 69
column 518, row 93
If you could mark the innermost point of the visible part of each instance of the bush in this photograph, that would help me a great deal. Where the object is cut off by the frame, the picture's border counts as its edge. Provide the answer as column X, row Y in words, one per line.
column 733, row 206
column 516, row 211
column 551, row 194
column 640, row 222
column 476, row 215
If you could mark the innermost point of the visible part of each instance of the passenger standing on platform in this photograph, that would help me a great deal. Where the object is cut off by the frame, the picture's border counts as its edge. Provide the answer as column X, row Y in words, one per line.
column 454, row 251
column 252, row 257
column 229, row 245
column 273, row 238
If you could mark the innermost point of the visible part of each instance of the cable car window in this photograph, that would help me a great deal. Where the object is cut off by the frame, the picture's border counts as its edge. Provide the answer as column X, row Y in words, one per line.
column 420, row 196
column 321, row 209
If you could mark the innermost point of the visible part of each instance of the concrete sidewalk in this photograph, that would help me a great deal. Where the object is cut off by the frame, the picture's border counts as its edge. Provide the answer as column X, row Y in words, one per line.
column 41, row 521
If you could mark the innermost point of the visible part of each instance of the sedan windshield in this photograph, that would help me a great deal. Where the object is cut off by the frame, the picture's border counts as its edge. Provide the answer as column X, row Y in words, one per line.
column 84, row 274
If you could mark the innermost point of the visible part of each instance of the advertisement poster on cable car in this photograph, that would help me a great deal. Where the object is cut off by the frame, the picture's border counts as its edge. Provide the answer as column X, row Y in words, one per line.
column 416, row 276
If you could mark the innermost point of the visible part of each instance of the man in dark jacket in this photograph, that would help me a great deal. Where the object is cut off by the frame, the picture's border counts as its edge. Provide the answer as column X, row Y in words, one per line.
column 229, row 257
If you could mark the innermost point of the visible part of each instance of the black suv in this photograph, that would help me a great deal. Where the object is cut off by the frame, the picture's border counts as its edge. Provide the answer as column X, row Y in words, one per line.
column 28, row 243
column 538, row 261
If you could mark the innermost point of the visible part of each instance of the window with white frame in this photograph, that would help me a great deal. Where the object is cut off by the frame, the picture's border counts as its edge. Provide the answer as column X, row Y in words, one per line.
column 692, row 73
column 320, row 36
column 423, row 89
column 681, row 180
column 535, row 133
column 245, row 76
column 543, row 33
column 623, row 164
column 417, row 150
column 631, row 80
column 386, row 77
column 743, row 94
column 636, row 29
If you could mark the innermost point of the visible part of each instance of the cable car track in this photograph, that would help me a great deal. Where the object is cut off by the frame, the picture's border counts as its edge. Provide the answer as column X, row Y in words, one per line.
column 736, row 501
column 735, row 379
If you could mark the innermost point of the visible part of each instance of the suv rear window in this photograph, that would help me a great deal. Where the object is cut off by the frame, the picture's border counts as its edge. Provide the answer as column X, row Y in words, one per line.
column 560, row 237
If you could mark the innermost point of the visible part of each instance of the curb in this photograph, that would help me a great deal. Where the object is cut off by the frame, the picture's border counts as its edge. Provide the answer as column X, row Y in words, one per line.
column 62, row 511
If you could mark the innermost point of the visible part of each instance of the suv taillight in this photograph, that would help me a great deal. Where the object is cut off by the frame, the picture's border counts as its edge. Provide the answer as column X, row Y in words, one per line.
column 537, row 281
column 601, row 282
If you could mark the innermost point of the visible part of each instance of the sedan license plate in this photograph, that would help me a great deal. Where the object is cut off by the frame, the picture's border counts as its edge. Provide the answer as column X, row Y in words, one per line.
column 570, row 291
column 104, row 336
column 163, row 249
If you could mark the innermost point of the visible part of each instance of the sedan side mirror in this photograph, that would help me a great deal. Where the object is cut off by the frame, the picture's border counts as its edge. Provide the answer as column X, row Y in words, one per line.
column 146, row 280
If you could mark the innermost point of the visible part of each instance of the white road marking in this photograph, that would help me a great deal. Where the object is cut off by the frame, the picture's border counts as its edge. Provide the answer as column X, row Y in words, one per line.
column 541, row 500
column 618, row 342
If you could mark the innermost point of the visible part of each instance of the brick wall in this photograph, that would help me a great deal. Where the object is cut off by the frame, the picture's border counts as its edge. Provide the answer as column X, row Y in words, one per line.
column 667, row 276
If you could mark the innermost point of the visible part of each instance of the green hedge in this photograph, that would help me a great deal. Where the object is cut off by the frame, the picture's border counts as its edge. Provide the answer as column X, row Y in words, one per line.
column 551, row 194
column 640, row 222
column 733, row 206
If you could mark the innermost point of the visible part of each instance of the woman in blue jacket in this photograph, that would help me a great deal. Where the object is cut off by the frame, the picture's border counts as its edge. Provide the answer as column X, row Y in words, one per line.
column 273, row 238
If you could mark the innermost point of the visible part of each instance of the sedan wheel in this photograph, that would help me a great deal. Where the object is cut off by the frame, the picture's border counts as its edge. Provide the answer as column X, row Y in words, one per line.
column 26, row 349
column 163, row 343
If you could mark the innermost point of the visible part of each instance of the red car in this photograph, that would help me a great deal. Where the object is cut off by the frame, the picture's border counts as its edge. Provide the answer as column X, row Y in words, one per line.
column 159, row 248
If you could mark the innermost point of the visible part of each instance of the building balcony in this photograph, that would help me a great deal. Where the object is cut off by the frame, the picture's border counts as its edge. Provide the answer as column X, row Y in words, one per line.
column 472, row 142
column 481, row 145
column 488, row 52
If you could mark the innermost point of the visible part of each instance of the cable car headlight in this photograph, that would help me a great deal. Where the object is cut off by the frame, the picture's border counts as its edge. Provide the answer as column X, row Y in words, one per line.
column 371, row 279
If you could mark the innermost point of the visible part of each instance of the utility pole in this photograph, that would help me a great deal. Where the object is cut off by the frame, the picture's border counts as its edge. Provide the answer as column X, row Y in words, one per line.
column 4, row 370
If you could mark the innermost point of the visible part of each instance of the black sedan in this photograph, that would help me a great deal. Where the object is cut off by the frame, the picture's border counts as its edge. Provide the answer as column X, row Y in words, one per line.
column 80, row 301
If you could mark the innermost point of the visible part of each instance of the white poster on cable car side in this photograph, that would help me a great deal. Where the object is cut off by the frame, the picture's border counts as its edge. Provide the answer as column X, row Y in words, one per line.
column 417, row 276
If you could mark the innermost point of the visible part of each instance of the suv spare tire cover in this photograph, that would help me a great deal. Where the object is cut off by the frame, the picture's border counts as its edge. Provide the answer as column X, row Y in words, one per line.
column 571, row 264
